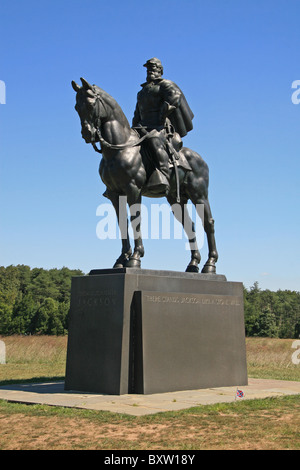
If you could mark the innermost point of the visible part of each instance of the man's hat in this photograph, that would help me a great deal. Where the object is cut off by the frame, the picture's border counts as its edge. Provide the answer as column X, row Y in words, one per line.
column 154, row 60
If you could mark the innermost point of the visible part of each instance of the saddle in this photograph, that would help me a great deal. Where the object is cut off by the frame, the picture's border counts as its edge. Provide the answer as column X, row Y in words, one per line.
column 173, row 147
column 157, row 185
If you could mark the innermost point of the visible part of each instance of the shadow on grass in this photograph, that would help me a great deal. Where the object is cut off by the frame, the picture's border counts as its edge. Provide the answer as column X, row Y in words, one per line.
column 33, row 380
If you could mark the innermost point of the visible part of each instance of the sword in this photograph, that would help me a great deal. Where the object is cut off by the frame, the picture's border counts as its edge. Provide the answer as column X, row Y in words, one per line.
column 173, row 154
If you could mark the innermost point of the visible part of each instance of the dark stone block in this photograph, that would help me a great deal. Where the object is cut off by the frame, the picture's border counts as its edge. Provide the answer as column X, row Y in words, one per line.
column 188, row 341
column 144, row 331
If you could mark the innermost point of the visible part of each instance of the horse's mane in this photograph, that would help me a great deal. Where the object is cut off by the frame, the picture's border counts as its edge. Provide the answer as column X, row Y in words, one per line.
column 103, row 94
column 110, row 101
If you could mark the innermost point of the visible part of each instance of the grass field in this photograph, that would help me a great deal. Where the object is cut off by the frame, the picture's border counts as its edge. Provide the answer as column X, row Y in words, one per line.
column 272, row 423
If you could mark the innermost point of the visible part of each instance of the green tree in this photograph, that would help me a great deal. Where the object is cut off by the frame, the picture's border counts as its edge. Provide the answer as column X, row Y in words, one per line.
column 265, row 324
column 24, row 299
column 23, row 315
column 46, row 318
column 251, row 308
column 5, row 318
column 269, row 313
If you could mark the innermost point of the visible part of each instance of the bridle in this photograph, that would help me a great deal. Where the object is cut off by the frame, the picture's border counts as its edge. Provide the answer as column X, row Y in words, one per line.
column 103, row 143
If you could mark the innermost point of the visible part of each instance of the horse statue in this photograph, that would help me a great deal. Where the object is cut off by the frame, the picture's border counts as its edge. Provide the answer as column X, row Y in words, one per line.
column 125, row 171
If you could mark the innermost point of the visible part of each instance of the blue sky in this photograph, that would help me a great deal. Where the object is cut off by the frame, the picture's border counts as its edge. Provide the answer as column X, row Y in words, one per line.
column 235, row 60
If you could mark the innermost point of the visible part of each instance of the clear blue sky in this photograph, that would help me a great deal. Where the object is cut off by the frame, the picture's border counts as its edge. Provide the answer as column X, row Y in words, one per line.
column 235, row 60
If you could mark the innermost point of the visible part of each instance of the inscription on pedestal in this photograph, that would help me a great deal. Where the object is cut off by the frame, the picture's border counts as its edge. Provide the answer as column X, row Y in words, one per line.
column 188, row 341
column 97, row 299
column 200, row 299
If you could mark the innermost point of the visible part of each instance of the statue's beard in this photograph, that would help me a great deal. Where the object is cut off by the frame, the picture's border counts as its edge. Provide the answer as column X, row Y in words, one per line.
column 153, row 76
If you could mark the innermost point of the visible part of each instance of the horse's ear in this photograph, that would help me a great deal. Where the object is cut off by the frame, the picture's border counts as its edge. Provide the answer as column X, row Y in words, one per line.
column 86, row 84
column 75, row 86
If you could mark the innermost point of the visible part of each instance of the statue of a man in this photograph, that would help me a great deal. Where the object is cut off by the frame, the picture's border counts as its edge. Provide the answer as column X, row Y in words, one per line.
column 161, row 107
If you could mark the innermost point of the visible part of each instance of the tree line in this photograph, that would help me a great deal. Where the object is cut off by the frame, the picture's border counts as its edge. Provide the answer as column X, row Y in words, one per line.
column 272, row 314
column 37, row 301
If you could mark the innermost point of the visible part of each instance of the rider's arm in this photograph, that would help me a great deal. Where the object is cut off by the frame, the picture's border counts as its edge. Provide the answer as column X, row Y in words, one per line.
column 171, row 95
column 136, row 121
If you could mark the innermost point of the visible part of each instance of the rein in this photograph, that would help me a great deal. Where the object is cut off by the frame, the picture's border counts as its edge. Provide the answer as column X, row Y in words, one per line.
column 104, row 143
column 120, row 146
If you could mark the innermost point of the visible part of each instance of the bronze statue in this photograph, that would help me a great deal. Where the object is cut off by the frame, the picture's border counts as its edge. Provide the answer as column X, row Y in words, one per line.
column 161, row 107
column 148, row 159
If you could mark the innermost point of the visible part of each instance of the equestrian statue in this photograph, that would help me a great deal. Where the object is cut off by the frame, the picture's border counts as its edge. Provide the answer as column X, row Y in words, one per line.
column 148, row 159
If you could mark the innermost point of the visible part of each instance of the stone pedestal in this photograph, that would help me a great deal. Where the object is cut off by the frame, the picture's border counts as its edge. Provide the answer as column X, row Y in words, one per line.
column 145, row 331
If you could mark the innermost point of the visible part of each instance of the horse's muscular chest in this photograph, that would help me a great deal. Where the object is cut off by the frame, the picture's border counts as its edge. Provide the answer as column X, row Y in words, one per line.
column 121, row 169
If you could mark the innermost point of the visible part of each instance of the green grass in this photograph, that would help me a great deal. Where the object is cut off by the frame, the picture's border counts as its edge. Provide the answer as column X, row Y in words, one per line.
column 271, row 358
column 33, row 358
column 271, row 423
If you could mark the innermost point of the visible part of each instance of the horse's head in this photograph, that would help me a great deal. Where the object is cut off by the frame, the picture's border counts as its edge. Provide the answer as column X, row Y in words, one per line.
column 89, row 110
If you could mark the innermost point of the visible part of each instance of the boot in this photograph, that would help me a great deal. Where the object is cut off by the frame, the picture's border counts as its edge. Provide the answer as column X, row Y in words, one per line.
column 158, row 183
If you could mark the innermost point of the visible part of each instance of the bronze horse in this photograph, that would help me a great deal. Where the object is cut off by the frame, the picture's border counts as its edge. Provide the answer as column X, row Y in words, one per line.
column 125, row 172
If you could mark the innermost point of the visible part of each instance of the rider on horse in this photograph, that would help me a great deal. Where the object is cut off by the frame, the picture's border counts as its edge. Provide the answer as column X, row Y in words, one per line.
column 161, row 107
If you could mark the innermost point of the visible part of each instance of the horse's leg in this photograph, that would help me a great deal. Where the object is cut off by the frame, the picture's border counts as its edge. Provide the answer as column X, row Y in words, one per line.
column 209, row 227
column 134, row 202
column 182, row 215
column 122, row 219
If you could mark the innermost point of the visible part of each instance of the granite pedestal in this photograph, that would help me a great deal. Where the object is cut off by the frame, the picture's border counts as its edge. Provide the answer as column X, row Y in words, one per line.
column 145, row 331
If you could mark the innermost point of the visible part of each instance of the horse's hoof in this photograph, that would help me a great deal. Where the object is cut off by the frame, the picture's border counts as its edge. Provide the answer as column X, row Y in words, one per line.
column 122, row 260
column 133, row 263
column 118, row 265
column 192, row 268
column 209, row 269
